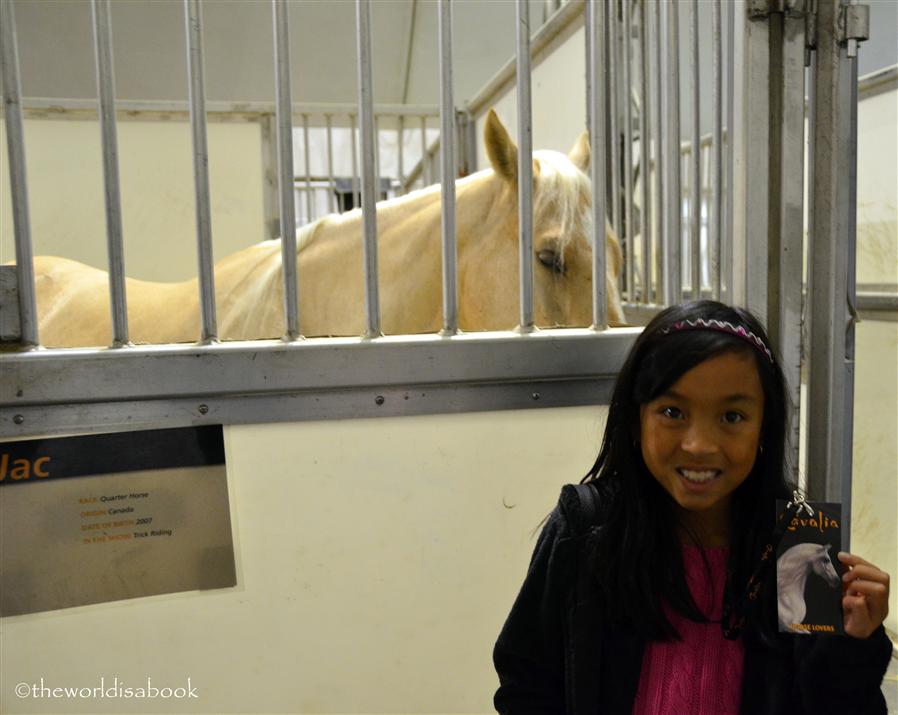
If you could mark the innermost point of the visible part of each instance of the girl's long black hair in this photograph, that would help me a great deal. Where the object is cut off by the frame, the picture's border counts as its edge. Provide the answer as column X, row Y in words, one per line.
column 638, row 560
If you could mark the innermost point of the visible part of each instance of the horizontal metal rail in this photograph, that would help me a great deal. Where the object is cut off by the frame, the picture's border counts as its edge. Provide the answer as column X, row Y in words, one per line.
column 77, row 390
column 49, row 107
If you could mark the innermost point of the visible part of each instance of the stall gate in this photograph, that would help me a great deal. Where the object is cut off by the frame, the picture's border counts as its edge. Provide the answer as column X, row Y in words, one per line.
column 720, row 215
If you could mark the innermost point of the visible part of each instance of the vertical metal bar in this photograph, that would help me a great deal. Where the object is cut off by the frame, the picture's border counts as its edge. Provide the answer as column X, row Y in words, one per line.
column 367, row 141
column 193, row 20
column 673, row 194
column 426, row 173
column 377, row 176
column 15, row 143
column 645, row 164
column 525, row 164
column 401, row 147
column 714, row 223
column 332, row 186
column 353, row 143
column 658, row 155
column 752, row 171
column 726, row 245
column 695, row 178
column 284, row 101
column 787, row 211
column 596, row 21
column 830, row 379
column 447, row 171
column 310, row 213
column 102, row 24
column 629, row 233
column 613, row 52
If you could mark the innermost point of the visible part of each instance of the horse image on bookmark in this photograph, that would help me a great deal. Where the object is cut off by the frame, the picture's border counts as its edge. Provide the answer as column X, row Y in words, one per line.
column 808, row 573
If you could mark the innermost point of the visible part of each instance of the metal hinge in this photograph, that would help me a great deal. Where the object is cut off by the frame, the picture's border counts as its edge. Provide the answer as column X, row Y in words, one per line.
column 790, row 8
column 853, row 26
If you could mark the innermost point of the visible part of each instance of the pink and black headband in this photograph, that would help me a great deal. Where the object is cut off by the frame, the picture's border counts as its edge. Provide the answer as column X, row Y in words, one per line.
column 722, row 326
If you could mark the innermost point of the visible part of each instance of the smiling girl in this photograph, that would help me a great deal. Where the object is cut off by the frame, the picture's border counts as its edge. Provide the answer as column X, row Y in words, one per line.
column 637, row 598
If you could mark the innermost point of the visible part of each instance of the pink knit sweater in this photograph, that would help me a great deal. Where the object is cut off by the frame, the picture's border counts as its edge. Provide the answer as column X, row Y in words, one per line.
column 701, row 674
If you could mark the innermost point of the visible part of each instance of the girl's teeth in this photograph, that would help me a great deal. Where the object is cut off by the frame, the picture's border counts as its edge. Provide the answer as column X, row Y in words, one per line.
column 698, row 476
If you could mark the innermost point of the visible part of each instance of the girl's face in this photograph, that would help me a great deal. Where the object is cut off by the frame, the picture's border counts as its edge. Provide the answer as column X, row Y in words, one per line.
column 700, row 438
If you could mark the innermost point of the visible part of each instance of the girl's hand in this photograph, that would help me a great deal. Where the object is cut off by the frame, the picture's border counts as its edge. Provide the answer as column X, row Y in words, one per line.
column 865, row 596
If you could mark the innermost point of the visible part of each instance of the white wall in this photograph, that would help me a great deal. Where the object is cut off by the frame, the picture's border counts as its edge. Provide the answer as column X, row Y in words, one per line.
column 377, row 560
column 65, row 191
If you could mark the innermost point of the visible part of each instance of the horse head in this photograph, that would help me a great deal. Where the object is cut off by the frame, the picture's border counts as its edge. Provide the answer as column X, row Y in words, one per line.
column 562, row 241
column 823, row 567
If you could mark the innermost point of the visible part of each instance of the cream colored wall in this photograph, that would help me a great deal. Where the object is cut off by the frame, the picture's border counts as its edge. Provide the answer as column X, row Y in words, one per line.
column 377, row 561
column 875, row 487
column 558, row 91
column 65, row 191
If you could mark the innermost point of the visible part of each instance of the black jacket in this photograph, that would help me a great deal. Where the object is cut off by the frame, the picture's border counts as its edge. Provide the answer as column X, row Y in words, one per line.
column 555, row 653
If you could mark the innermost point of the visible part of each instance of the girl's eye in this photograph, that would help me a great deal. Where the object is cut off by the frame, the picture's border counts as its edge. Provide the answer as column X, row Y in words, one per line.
column 733, row 417
column 673, row 412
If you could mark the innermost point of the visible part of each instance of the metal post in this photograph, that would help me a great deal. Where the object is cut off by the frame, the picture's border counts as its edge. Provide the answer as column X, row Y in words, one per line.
column 714, row 223
column 377, row 174
column 613, row 51
column 310, row 212
column 367, row 140
column 525, row 164
column 596, row 22
column 102, row 25
column 673, row 196
column 645, row 163
column 425, row 162
column 629, row 233
column 353, row 143
column 330, row 164
column 787, row 210
column 726, row 245
column 400, row 147
column 695, row 178
column 193, row 19
column 447, row 171
column 832, row 314
column 751, row 134
column 285, row 166
column 658, row 155
column 15, row 143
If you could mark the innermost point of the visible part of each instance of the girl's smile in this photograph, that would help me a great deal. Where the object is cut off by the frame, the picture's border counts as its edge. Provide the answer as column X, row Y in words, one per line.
column 700, row 437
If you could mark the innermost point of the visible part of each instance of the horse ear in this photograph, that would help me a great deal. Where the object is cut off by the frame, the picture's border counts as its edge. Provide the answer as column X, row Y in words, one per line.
column 579, row 153
column 500, row 148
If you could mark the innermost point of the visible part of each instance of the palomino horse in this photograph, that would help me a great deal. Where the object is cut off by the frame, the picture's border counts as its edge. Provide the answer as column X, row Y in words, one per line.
column 72, row 298
column 792, row 571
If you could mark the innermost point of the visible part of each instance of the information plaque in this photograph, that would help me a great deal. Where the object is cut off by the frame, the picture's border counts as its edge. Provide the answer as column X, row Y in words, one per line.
column 114, row 516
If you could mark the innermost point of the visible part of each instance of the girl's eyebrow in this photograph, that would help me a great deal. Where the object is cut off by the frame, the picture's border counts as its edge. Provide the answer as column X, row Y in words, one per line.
column 736, row 397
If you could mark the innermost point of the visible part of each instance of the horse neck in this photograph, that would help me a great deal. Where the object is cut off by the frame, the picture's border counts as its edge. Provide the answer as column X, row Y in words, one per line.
column 799, row 575
column 475, row 195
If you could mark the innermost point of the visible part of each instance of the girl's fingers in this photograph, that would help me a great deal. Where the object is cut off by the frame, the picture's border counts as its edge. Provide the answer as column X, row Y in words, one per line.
column 867, row 573
column 868, row 588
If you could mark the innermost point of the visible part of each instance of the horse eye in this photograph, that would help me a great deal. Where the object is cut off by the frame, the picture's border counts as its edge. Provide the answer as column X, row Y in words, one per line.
column 551, row 259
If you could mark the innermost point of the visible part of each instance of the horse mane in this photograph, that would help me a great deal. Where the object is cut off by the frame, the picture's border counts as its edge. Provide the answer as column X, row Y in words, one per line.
column 566, row 188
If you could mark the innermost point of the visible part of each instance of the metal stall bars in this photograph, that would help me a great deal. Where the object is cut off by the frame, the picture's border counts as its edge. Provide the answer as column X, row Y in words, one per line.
column 366, row 141
column 15, row 142
column 525, row 163
column 285, row 166
column 256, row 382
column 695, row 173
column 673, row 210
column 839, row 28
column 447, row 171
column 193, row 21
column 597, row 82
column 102, row 23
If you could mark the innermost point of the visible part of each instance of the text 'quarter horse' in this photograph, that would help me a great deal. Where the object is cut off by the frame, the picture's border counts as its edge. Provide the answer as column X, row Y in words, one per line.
column 73, row 303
